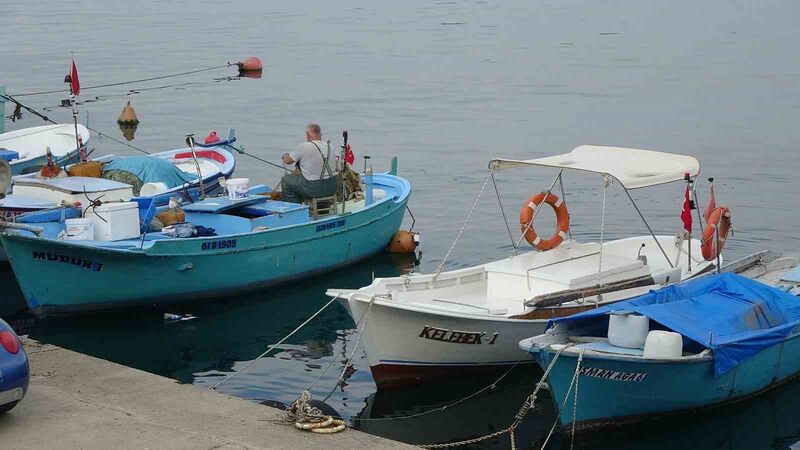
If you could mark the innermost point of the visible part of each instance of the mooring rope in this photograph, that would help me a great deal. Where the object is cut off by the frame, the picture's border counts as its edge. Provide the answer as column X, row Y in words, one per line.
column 47, row 119
column 490, row 386
column 348, row 362
column 463, row 226
column 564, row 403
column 122, row 83
column 523, row 411
column 104, row 135
column 273, row 346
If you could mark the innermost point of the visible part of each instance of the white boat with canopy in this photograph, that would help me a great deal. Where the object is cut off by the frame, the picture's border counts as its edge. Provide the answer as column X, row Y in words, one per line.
column 419, row 326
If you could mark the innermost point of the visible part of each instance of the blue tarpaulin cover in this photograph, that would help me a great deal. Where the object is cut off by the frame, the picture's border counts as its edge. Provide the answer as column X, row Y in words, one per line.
column 734, row 316
column 150, row 169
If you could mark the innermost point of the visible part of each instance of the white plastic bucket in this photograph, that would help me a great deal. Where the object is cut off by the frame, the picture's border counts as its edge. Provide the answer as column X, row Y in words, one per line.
column 628, row 330
column 79, row 229
column 238, row 188
column 663, row 345
column 153, row 188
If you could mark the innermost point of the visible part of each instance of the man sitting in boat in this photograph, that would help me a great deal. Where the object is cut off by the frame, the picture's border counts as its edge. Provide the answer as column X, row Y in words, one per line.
column 314, row 178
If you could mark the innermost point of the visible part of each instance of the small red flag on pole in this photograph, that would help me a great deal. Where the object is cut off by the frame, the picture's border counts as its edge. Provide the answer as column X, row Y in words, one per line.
column 349, row 156
column 686, row 212
column 72, row 79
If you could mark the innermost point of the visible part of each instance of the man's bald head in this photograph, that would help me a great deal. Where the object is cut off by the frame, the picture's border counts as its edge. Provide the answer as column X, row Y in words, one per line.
column 313, row 132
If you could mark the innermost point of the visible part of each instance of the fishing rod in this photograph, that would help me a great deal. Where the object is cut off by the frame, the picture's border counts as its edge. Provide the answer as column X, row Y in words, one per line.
column 243, row 152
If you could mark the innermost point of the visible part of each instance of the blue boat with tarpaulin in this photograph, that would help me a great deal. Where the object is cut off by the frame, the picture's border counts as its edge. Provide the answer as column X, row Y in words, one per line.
column 705, row 342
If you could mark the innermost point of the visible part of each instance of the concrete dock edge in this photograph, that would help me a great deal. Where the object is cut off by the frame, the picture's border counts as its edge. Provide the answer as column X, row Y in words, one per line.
column 78, row 401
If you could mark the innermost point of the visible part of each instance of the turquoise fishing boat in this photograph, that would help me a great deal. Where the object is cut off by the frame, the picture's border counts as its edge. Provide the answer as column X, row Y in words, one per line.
column 258, row 243
column 692, row 345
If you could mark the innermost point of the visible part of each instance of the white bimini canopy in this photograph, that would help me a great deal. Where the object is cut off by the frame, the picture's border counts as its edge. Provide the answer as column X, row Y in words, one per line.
column 633, row 168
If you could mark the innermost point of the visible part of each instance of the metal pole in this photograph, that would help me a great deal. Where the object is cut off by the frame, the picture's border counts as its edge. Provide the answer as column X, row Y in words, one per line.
column 75, row 119
column 689, row 245
column 716, row 247
column 2, row 109
column 502, row 211
column 536, row 211
column 190, row 143
column 564, row 199
column 697, row 206
column 648, row 226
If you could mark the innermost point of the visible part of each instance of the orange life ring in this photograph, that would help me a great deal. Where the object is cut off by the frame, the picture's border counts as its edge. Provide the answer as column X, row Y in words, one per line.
column 720, row 217
column 562, row 221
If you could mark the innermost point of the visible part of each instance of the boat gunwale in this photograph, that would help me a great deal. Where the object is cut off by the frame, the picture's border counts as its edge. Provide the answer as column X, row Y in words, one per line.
column 400, row 199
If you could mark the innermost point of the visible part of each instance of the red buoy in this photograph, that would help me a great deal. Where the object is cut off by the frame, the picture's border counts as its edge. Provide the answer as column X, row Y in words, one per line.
column 211, row 138
column 251, row 64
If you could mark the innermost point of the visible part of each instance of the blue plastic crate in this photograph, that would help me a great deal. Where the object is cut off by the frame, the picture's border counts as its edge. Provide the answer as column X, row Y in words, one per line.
column 8, row 155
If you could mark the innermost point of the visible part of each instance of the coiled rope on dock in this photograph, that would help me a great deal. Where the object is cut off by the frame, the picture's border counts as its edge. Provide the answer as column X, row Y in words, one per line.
column 308, row 418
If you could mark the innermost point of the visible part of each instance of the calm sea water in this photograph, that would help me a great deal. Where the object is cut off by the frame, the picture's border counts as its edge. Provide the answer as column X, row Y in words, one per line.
column 446, row 86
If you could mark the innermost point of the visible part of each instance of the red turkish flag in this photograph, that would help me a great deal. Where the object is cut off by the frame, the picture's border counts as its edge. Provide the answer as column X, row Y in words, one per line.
column 74, row 83
column 349, row 156
column 686, row 212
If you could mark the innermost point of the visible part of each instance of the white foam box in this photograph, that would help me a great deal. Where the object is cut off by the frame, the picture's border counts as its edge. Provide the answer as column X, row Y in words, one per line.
column 119, row 221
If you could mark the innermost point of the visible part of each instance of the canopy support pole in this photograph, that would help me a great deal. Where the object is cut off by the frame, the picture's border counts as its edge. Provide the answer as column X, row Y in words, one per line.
column 564, row 199
column 648, row 227
column 502, row 211
column 536, row 211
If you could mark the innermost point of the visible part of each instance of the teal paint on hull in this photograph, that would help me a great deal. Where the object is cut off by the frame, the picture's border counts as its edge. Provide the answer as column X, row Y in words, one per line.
column 667, row 388
column 59, row 277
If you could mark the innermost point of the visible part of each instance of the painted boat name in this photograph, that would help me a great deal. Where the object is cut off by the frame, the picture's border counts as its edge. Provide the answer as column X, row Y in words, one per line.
column 330, row 225
column 612, row 374
column 218, row 245
column 457, row 337
column 80, row 262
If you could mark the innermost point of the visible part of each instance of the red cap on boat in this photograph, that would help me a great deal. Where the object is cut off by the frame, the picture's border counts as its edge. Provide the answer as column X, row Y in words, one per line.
column 211, row 138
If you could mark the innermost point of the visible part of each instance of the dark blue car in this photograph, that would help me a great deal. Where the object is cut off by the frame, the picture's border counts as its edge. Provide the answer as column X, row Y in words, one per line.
column 14, row 369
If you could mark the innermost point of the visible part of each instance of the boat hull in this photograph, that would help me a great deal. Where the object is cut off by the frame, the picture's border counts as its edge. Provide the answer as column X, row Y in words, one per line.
column 615, row 391
column 81, row 278
column 406, row 346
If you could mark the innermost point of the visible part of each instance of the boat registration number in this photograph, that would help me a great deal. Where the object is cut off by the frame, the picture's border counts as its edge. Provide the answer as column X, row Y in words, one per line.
column 330, row 225
column 594, row 372
column 457, row 337
column 219, row 245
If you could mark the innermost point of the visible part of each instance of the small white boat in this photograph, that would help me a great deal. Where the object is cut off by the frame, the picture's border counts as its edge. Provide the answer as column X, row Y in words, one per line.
column 453, row 322
column 29, row 193
column 26, row 149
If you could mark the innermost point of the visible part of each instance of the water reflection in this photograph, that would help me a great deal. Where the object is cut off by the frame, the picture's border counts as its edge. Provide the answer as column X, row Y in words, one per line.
column 128, row 131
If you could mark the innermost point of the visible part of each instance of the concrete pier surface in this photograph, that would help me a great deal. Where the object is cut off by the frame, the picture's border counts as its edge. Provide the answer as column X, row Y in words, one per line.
column 78, row 401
